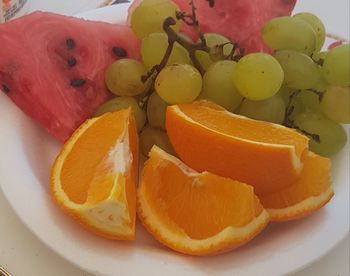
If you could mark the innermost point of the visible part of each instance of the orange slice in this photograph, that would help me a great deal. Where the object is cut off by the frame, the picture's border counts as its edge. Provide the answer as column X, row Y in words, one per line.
column 312, row 191
column 196, row 213
column 94, row 177
column 206, row 137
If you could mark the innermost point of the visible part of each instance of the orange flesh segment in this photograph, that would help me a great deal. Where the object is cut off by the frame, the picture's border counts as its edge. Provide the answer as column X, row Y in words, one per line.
column 131, row 176
column 245, row 128
column 100, row 189
column 201, row 205
column 83, row 163
column 102, row 184
column 315, row 180
column 193, row 131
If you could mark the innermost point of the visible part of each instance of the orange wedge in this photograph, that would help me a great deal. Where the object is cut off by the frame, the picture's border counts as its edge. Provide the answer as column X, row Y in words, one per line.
column 196, row 213
column 207, row 137
column 312, row 191
column 94, row 177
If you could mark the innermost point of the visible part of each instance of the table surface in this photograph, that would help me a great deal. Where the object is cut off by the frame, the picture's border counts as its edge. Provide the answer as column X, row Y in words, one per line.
column 23, row 254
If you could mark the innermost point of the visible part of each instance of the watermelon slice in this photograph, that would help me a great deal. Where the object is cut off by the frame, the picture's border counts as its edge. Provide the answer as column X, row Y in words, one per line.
column 239, row 20
column 52, row 66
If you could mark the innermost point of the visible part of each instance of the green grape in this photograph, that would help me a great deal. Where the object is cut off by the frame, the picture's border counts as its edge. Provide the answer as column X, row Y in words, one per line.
column 309, row 100
column 120, row 103
column 300, row 71
column 149, row 16
column 304, row 101
column 151, row 136
column 212, row 40
column 336, row 66
column 322, row 84
column 298, row 108
column 153, row 49
column 258, row 76
column 269, row 110
column 178, row 83
column 335, row 104
column 317, row 25
column 156, row 109
column 285, row 93
column 218, row 85
column 290, row 33
column 332, row 136
column 123, row 77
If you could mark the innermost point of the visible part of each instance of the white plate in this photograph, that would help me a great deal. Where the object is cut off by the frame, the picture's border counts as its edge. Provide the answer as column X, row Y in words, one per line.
column 27, row 153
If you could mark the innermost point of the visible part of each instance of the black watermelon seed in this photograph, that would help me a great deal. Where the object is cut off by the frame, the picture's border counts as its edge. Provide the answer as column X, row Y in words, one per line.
column 70, row 44
column 71, row 62
column 119, row 52
column 5, row 88
column 211, row 3
column 77, row 82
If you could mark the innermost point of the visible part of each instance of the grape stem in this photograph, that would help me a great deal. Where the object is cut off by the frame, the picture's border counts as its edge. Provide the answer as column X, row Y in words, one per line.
column 318, row 93
column 313, row 136
column 157, row 68
column 319, row 62
column 189, row 19
column 288, row 122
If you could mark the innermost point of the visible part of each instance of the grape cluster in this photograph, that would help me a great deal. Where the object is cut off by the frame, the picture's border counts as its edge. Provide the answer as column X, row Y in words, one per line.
column 316, row 83
column 297, row 85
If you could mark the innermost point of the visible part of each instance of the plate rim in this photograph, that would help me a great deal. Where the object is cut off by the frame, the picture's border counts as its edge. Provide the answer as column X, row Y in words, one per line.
column 49, row 245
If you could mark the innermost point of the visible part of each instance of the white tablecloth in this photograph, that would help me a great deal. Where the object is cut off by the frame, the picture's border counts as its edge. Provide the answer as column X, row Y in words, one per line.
column 24, row 255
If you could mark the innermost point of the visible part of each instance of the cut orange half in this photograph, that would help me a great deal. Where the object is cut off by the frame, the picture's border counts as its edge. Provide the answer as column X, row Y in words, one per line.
column 208, row 138
column 94, row 177
column 196, row 213
column 312, row 191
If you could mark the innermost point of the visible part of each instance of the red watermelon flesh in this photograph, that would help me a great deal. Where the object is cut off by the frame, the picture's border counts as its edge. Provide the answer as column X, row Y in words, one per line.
column 239, row 20
column 52, row 66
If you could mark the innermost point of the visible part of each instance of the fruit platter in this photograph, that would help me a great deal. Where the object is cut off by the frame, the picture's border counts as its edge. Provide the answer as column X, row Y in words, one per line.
column 149, row 137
